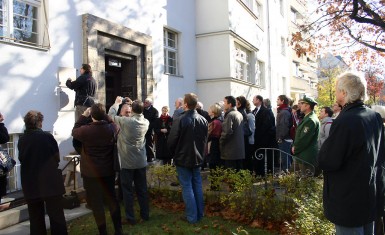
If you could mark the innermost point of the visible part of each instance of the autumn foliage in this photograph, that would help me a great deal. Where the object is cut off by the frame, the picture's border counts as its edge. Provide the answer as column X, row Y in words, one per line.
column 354, row 28
column 375, row 84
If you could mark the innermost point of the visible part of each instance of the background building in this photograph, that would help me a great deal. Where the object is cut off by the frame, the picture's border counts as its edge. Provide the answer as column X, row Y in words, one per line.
column 303, row 72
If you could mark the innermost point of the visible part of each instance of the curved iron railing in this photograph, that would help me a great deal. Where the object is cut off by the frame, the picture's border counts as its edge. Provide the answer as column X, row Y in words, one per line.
column 298, row 165
column 76, row 161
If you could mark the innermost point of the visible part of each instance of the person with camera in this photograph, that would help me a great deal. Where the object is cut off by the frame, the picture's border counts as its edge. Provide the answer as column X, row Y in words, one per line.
column 97, row 165
column 133, row 159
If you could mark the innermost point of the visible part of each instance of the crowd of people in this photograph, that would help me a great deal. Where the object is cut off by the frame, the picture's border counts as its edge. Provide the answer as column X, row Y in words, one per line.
column 345, row 142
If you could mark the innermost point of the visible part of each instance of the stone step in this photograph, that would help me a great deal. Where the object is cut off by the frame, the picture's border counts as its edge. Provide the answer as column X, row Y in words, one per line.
column 13, row 216
column 17, row 210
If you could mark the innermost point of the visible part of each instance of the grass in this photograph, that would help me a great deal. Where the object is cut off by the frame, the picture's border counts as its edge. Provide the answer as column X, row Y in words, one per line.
column 163, row 221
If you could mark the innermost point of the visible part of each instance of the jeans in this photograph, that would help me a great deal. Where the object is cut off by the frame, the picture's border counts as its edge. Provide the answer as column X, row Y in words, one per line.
column 55, row 213
column 138, row 176
column 98, row 191
column 285, row 159
column 191, row 182
column 367, row 229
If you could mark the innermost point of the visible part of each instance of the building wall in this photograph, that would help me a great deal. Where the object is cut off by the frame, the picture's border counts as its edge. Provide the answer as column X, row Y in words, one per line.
column 207, row 31
column 30, row 77
column 306, row 82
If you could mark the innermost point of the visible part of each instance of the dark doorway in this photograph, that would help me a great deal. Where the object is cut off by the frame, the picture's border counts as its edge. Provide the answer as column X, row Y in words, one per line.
column 121, row 74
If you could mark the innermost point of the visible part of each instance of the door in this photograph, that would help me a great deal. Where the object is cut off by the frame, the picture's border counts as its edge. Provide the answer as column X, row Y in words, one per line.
column 120, row 78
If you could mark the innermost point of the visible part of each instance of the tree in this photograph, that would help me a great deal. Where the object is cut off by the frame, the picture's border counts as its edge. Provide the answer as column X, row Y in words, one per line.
column 327, row 85
column 375, row 84
column 356, row 26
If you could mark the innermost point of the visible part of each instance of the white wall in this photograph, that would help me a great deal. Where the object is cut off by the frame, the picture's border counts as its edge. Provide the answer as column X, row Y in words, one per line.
column 29, row 77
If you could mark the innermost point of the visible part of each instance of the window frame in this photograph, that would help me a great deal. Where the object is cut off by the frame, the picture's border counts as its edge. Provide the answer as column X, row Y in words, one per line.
column 281, row 7
column 170, row 49
column 260, row 73
column 38, row 27
column 293, row 15
column 283, row 46
column 242, row 66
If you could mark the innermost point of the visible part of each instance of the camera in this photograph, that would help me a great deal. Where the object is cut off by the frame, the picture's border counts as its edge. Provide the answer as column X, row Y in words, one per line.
column 126, row 100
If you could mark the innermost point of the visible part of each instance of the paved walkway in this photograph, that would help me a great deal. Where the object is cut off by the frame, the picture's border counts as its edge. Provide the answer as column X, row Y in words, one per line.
column 23, row 227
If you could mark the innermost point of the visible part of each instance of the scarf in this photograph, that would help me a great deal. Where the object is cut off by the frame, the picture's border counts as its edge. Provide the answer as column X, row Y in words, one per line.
column 282, row 107
column 164, row 118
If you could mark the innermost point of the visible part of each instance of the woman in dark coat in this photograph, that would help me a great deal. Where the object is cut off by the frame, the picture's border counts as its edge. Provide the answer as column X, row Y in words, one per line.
column 4, row 138
column 162, row 128
column 41, row 179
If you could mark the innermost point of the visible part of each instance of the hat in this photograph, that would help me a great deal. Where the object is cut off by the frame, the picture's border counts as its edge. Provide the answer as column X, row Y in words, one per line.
column 309, row 100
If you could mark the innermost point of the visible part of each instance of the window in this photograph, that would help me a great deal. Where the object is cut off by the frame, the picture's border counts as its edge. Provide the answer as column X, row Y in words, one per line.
column 283, row 46
column 255, row 7
column 283, row 91
column 281, row 8
column 296, row 71
column 259, row 13
column 28, row 24
column 293, row 15
column 170, row 40
column 260, row 74
column 248, row 3
column 242, row 63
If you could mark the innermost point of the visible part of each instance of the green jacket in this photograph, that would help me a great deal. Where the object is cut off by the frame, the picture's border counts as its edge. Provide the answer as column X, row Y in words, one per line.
column 306, row 137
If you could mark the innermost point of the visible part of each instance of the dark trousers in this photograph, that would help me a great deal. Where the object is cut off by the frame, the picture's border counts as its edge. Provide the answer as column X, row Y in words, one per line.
column 249, row 152
column 234, row 164
column 55, row 213
column 259, row 162
column 149, row 147
column 138, row 176
column 101, row 190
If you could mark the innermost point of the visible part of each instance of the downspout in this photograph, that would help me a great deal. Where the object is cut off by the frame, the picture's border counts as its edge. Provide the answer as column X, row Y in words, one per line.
column 269, row 47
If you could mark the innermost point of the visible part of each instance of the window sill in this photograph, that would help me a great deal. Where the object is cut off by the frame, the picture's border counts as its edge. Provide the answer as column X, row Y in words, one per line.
column 24, row 45
column 173, row 75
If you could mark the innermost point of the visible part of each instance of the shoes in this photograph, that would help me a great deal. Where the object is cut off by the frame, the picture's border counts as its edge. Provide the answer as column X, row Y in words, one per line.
column 129, row 222
column 184, row 219
column 119, row 232
column 175, row 184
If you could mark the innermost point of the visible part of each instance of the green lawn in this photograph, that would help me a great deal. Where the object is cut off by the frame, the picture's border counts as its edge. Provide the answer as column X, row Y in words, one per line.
column 163, row 221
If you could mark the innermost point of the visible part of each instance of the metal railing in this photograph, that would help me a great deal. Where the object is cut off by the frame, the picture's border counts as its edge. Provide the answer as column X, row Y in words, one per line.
column 76, row 161
column 278, row 158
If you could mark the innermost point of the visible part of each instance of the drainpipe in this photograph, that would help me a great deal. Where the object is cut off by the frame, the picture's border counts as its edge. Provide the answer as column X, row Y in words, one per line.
column 269, row 47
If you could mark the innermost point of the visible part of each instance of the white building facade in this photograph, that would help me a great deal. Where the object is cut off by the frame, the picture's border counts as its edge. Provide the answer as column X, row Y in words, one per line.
column 141, row 48
column 303, row 72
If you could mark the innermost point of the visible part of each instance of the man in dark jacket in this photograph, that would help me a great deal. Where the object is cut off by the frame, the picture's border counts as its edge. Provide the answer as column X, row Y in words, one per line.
column 84, row 87
column 187, row 142
column 352, row 159
column 151, row 114
column 97, row 165
column 264, row 135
